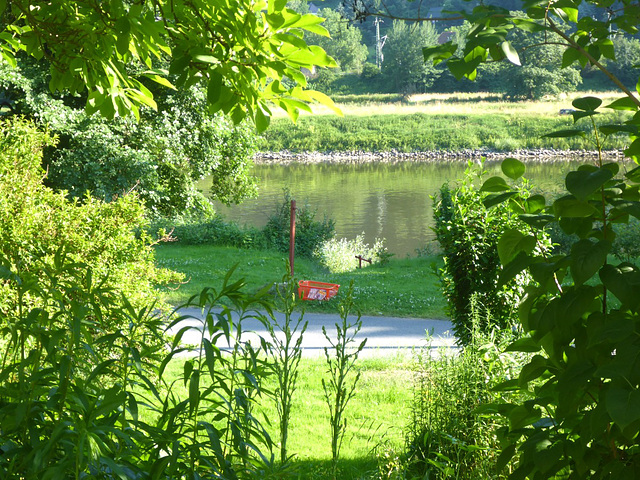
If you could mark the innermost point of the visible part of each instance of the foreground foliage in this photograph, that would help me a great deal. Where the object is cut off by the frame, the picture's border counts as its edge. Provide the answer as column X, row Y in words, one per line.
column 39, row 225
column 582, row 415
column 240, row 50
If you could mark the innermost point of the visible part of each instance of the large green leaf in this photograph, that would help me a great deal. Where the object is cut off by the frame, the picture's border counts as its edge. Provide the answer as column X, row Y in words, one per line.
column 624, row 103
column 510, row 52
column 587, row 103
column 572, row 207
column 583, row 184
column 497, row 198
column 523, row 416
column 494, row 184
column 538, row 221
column 624, row 282
column 534, row 204
column 512, row 168
column 623, row 405
column 565, row 134
column 513, row 242
column 634, row 175
column 587, row 257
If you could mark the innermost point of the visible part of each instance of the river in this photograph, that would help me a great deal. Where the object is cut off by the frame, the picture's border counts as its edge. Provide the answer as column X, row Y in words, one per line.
column 381, row 200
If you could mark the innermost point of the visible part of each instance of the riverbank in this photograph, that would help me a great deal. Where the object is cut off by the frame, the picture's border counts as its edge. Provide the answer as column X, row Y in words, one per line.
column 437, row 129
column 361, row 157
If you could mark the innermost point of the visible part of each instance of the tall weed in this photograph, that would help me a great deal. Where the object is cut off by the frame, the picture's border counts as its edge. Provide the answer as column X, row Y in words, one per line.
column 449, row 436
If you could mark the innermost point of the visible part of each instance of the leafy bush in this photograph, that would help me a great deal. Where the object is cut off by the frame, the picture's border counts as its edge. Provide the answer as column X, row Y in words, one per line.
column 339, row 255
column 309, row 233
column 580, row 417
column 37, row 223
column 449, row 436
column 211, row 231
column 82, row 393
column 468, row 232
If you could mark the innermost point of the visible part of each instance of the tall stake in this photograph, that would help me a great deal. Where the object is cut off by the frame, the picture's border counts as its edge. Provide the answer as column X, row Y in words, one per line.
column 292, row 236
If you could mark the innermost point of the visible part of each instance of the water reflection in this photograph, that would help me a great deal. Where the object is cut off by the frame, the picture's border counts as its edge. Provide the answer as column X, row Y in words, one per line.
column 381, row 200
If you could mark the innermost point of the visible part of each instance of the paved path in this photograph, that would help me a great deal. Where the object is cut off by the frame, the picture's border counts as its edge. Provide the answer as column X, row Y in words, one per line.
column 385, row 335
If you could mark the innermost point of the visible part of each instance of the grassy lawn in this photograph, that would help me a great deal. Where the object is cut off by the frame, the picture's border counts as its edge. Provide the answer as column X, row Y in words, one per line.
column 376, row 417
column 403, row 287
column 437, row 122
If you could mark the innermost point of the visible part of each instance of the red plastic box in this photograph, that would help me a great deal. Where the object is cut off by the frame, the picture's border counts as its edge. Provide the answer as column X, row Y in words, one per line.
column 310, row 290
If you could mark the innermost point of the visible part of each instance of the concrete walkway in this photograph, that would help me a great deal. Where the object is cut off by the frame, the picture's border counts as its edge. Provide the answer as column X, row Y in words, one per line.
column 385, row 335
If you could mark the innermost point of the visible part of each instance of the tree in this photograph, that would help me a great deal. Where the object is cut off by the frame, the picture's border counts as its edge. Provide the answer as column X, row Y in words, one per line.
column 403, row 63
column 345, row 43
column 160, row 156
column 239, row 49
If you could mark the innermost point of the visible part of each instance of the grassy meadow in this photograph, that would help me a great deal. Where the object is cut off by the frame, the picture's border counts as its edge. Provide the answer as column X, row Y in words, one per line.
column 403, row 287
column 435, row 122
column 377, row 417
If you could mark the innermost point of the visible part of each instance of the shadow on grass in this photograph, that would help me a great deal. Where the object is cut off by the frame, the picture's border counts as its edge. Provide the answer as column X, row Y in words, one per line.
column 348, row 469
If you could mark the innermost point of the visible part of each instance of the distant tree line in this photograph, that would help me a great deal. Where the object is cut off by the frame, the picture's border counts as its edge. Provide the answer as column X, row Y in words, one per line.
column 403, row 70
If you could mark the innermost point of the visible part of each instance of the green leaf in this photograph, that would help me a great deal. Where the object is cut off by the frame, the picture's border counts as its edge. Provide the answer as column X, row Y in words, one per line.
column 524, row 344
column 587, row 103
column 624, row 282
column 513, row 242
column 497, row 198
column 565, row 134
column 494, row 184
column 536, row 367
column 512, row 168
column 611, row 129
column 513, row 268
column 624, row 103
column 534, row 204
column 194, row 391
column 261, row 120
column 634, row 175
column 577, row 115
column 584, row 183
column 439, row 53
column 510, row 52
column 537, row 221
column 587, row 258
column 634, row 150
column 572, row 207
column 570, row 56
column 623, row 405
column 523, row 416
column 215, row 87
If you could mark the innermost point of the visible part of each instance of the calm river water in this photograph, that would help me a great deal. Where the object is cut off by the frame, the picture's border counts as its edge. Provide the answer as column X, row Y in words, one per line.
column 381, row 200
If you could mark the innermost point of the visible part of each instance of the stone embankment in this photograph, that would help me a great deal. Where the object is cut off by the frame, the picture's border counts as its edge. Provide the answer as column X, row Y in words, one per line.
column 541, row 155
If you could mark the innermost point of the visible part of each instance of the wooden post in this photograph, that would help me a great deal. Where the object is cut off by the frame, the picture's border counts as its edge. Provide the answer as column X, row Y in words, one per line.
column 292, row 236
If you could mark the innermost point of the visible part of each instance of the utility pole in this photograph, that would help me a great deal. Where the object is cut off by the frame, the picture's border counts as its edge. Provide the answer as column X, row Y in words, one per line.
column 379, row 43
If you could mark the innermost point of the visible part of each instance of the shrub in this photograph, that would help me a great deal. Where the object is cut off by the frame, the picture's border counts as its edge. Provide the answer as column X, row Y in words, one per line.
column 468, row 232
column 309, row 233
column 339, row 255
column 38, row 223
column 449, row 436
column 211, row 231
column 82, row 393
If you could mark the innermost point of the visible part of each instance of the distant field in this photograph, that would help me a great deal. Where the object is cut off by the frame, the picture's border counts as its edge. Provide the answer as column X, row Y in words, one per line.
column 451, row 104
column 442, row 122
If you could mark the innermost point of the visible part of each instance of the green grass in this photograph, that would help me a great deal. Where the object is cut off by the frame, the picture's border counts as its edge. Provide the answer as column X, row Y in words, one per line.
column 376, row 417
column 434, row 122
column 404, row 287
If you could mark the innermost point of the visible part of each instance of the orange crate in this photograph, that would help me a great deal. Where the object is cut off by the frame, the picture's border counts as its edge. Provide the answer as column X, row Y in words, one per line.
column 310, row 290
